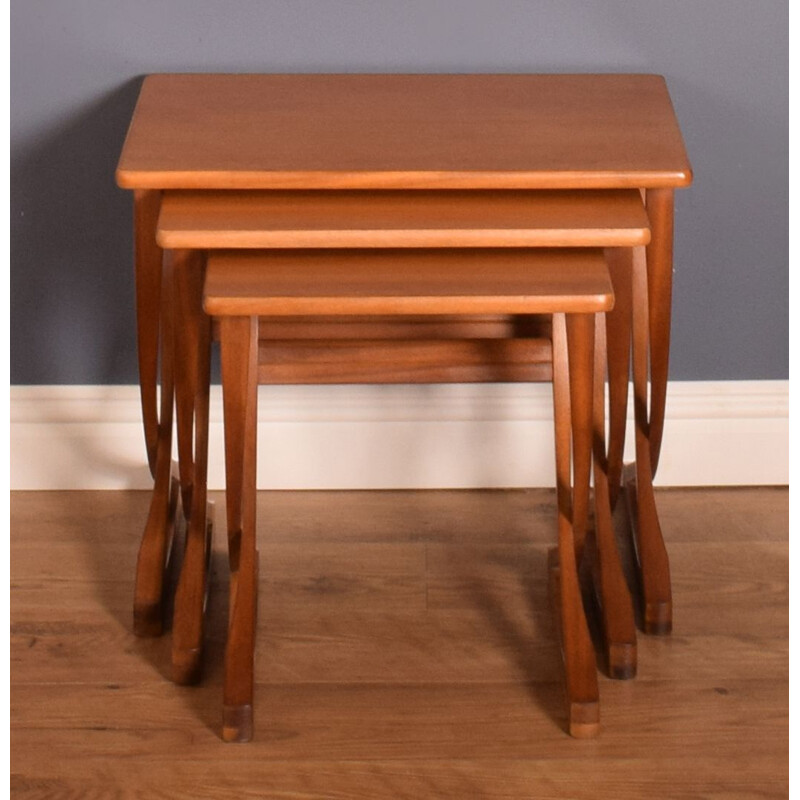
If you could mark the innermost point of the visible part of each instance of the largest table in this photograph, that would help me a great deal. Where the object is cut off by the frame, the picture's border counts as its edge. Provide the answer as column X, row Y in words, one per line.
column 320, row 132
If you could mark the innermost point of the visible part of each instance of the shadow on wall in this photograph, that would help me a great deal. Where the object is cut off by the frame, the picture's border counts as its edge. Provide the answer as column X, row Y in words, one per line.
column 72, row 289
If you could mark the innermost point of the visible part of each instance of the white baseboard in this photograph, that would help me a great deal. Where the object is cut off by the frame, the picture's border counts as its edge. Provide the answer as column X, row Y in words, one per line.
column 396, row 437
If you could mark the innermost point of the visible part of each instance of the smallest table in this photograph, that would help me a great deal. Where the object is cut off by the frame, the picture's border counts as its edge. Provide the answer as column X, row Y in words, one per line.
column 571, row 285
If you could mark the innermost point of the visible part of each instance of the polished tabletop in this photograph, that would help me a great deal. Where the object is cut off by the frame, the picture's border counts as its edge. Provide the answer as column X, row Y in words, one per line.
column 415, row 218
column 466, row 131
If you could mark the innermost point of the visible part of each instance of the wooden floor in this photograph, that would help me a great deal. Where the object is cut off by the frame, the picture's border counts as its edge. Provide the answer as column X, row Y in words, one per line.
column 406, row 650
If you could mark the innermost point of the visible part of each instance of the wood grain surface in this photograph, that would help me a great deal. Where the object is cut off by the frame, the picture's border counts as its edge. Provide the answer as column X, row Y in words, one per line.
column 405, row 650
column 398, row 361
column 402, row 219
column 403, row 131
column 491, row 281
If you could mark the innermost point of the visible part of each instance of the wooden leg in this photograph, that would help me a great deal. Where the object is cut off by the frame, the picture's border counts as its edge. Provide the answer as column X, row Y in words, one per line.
column 610, row 586
column 660, row 205
column 147, row 264
column 239, row 351
column 580, row 666
column 618, row 329
column 155, row 550
column 189, row 318
column 580, row 342
column 650, row 549
column 156, row 544
column 193, row 351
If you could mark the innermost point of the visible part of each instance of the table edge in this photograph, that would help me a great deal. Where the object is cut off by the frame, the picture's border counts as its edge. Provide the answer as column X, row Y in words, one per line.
column 414, row 179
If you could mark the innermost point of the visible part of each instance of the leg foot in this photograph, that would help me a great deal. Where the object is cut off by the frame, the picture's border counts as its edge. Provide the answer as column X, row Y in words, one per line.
column 190, row 600
column 240, row 651
column 615, row 611
column 237, row 723
column 651, row 554
column 621, row 661
column 154, row 555
column 578, row 660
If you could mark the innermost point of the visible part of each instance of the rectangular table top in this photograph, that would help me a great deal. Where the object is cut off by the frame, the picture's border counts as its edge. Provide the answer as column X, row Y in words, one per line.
column 381, row 131
column 376, row 282
column 209, row 219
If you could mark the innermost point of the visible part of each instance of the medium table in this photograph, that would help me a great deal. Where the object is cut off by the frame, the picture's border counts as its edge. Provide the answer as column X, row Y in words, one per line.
column 416, row 132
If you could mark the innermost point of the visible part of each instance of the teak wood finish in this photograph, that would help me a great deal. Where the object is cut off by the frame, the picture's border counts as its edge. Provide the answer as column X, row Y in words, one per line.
column 155, row 318
column 283, row 219
column 336, row 281
column 572, row 285
column 192, row 354
column 412, row 349
column 403, row 131
column 421, row 132
column 400, row 282
column 378, row 352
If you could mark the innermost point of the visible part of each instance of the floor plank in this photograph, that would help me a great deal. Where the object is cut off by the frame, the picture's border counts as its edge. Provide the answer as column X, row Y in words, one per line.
column 405, row 650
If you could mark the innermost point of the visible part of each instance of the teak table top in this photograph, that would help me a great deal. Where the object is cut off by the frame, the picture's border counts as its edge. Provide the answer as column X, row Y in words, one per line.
column 486, row 281
column 218, row 131
column 417, row 218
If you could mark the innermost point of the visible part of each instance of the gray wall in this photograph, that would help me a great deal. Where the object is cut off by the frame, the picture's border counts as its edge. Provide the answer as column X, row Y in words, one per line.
column 76, row 67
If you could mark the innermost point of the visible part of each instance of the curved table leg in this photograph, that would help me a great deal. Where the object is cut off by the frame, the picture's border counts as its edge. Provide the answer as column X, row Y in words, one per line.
column 618, row 339
column 192, row 378
column 155, row 550
column 610, row 587
column 577, row 651
column 648, row 539
column 648, row 309
column 239, row 352
column 189, row 320
column 660, row 204
column 155, row 324
column 147, row 265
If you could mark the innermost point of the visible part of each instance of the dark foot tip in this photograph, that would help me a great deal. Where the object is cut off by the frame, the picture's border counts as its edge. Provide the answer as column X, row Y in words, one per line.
column 187, row 666
column 622, row 661
column 658, row 619
column 148, row 620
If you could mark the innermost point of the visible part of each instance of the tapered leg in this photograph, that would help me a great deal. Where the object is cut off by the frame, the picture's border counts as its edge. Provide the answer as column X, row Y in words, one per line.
column 156, row 544
column 610, row 586
column 618, row 329
column 650, row 549
column 580, row 665
column 155, row 549
column 192, row 356
column 239, row 351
